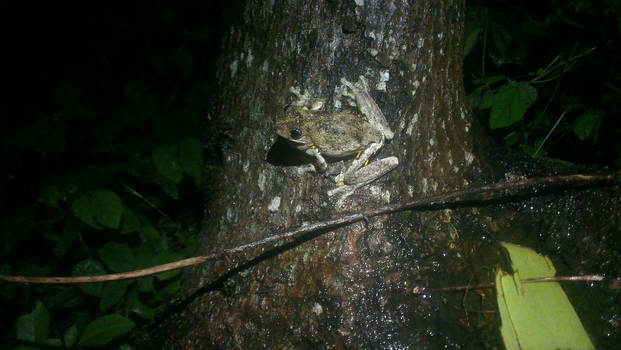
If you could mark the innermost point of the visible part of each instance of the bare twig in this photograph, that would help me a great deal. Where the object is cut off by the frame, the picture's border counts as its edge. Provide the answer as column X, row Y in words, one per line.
column 149, row 203
column 583, row 278
column 587, row 278
column 501, row 190
column 111, row 277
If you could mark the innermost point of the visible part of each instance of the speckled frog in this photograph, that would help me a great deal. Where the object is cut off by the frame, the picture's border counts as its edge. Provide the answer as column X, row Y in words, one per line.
column 340, row 134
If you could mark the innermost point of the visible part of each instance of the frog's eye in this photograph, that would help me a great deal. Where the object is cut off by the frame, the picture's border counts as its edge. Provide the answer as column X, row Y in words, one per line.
column 295, row 134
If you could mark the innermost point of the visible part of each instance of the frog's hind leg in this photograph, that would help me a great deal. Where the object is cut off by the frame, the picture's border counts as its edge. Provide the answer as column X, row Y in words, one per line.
column 372, row 171
column 365, row 176
column 351, row 174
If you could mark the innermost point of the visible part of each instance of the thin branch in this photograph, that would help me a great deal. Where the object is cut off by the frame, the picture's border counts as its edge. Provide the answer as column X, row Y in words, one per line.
column 111, row 277
column 587, row 278
column 497, row 191
column 583, row 278
column 149, row 203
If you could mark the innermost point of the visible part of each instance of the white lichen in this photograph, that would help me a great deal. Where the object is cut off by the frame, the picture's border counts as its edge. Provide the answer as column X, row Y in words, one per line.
column 274, row 204
column 233, row 68
column 249, row 59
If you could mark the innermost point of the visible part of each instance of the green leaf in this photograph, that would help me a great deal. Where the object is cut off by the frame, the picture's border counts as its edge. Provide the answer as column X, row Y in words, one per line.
column 145, row 284
column 118, row 257
column 501, row 41
column 474, row 98
column 131, row 221
column 30, row 269
column 164, row 257
column 8, row 291
column 172, row 287
column 53, row 342
column 510, row 104
column 487, row 99
column 105, row 329
column 50, row 196
column 89, row 268
column 191, row 158
column 150, row 233
column 67, row 238
column 112, row 294
column 536, row 315
column 99, row 208
column 587, row 125
column 170, row 189
column 108, row 208
column 183, row 59
column 535, row 28
column 528, row 93
column 71, row 336
column 490, row 80
column 471, row 40
column 134, row 305
column 512, row 138
column 35, row 326
column 166, row 162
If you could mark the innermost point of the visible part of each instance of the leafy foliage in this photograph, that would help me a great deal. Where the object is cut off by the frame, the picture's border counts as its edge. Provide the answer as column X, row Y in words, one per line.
column 104, row 329
column 106, row 177
column 545, row 79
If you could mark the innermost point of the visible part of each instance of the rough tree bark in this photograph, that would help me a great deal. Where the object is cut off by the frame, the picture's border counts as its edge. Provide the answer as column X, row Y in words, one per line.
column 351, row 287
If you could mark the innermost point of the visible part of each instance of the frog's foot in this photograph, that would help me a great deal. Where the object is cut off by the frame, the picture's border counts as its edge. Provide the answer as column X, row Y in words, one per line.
column 346, row 190
column 335, row 171
column 371, row 171
column 363, row 177
column 308, row 168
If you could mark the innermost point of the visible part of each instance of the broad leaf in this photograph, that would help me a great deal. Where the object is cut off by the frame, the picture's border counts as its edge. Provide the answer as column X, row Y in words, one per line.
column 105, row 329
column 510, row 104
column 487, row 100
column 536, row 315
column 50, row 196
column 183, row 59
column 67, row 238
column 99, row 208
column 71, row 336
column 112, row 293
column 191, row 158
column 8, row 291
column 136, row 306
column 89, row 268
column 35, row 326
column 166, row 161
column 586, row 126
column 131, row 221
column 118, row 257
column 471, row 40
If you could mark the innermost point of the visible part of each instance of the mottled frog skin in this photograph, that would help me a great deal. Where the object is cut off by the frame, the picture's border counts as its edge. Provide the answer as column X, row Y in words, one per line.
column 335, row 135
column 340, row 134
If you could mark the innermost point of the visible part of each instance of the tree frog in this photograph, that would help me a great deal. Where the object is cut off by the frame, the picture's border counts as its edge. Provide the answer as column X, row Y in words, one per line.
column 340, row 134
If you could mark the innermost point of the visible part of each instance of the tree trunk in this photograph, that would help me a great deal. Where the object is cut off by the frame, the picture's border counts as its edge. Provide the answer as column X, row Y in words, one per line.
column 350, row 287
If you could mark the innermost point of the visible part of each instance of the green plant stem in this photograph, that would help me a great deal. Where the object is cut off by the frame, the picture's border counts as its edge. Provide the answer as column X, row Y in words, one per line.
column 548, row 135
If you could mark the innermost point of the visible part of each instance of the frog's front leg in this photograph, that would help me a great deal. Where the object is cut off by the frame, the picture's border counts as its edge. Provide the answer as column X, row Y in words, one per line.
column 366, row 105
column 321, row 164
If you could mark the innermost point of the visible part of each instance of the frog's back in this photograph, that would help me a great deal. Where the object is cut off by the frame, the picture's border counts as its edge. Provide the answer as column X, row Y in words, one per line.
column 342, row 134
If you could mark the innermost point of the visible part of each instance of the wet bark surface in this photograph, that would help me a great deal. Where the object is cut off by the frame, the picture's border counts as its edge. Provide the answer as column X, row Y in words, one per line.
column 350, row 287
